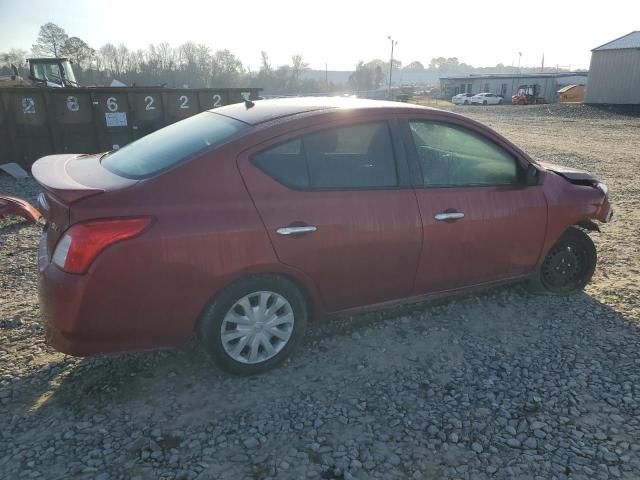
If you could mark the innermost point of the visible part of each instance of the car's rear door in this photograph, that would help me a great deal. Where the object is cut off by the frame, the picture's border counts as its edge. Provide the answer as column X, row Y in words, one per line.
column 337, row 204
column 481, row 222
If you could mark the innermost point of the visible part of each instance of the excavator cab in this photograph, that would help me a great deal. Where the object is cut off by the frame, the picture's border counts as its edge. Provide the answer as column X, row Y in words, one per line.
column 52, row 72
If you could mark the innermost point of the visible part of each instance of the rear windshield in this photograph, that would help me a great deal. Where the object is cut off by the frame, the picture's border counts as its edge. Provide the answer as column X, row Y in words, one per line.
column 170, row 145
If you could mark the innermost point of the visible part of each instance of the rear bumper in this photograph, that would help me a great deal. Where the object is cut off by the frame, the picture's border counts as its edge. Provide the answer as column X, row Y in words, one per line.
column 84, row 345
column 18, row 206
column 84, row 316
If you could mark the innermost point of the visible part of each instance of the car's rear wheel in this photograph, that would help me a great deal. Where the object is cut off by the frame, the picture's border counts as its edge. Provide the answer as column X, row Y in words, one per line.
column 466, row 102
column 484, row 102
column 569, row 264
column 254, row 324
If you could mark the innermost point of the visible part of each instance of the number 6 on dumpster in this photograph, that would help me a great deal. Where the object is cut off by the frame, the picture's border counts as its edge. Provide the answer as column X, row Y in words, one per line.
column 112, row 104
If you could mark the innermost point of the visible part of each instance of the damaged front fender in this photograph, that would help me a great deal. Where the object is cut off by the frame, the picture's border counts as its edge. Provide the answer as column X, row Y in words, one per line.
column 19, row 207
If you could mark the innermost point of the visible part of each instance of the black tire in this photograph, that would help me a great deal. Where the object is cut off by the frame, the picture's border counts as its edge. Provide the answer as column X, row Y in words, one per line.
column 466, row 102
column 568, row 266
column 484, row 102
column 499, row 102
column 211, row 320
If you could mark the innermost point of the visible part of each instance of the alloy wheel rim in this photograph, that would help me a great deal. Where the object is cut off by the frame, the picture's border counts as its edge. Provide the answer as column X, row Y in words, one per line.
column 257, row 327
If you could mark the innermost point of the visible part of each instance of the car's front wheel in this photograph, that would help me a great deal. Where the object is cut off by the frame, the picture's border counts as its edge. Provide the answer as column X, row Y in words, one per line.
column 254, row 324
column 569, row 264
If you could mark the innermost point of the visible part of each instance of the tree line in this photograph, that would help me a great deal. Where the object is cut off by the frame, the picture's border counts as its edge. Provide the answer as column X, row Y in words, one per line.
column 197, row 65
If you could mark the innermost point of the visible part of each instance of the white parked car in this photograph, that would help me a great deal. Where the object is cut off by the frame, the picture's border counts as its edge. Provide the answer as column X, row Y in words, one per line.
column 486, row 99
column 462, row 99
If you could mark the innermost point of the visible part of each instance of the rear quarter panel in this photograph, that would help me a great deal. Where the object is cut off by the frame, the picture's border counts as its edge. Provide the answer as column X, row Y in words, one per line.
column 206, row 234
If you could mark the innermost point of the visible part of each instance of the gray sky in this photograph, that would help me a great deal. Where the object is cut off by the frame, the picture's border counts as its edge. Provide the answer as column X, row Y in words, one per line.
column 339, row 32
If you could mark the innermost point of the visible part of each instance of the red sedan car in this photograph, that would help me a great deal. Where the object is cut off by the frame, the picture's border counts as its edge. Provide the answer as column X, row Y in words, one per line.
column 240, row 224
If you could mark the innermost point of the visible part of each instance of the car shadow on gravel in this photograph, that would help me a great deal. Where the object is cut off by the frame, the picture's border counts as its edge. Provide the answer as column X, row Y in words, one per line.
column 506, row 322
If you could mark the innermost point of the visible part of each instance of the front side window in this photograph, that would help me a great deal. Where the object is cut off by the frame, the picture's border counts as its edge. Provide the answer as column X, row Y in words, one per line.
column 356, row 156
column 170, row 145
column 450, row 155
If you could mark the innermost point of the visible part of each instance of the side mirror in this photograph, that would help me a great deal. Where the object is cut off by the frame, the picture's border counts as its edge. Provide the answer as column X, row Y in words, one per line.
column 532, row 175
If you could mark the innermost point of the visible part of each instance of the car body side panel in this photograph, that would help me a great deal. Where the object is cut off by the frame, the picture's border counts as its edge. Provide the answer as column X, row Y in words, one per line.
column 365, row 249
column 500, row 236
column 502, row 231
column 367, row 243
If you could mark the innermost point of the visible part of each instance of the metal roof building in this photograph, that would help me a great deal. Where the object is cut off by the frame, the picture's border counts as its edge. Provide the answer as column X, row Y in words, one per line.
column 507, row 84
column 614, row 75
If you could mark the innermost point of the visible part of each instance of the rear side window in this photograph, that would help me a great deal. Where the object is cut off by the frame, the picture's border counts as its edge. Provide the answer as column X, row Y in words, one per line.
column 285, row 163
column 357, row 156
column 450, row 155
column 170, row 145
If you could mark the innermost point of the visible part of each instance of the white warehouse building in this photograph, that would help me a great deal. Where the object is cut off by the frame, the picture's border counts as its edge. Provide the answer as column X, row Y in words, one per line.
column 507, row 85
column 614, row 75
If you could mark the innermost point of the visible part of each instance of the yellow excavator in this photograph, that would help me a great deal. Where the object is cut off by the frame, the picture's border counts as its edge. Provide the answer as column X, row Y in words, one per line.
column 43, row 72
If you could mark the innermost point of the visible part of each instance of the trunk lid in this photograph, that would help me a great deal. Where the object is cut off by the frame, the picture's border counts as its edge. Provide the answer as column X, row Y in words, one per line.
column 66, row 180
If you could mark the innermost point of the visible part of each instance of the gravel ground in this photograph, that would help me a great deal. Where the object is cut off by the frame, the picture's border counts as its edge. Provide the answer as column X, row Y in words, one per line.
column 499, row 385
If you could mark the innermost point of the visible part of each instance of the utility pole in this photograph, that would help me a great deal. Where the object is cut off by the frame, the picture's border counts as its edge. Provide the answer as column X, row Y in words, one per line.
column 326, row 75
column 519, row 58
column 393, row 44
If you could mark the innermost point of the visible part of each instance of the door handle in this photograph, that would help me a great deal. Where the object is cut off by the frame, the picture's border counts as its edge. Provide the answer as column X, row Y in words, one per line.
column 443, row 216
column 296, row 230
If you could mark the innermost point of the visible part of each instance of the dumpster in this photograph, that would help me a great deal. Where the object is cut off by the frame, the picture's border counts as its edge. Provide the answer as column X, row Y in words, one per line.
column 39, row 121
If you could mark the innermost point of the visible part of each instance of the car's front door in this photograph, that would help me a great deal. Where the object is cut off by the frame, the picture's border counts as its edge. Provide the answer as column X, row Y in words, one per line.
column 481, row 223
column 338, row 205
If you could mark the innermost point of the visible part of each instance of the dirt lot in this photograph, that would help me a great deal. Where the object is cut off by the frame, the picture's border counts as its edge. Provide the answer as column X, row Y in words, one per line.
column 500, row 385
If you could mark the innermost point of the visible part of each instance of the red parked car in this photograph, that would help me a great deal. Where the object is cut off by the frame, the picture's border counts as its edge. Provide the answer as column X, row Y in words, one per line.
column 240, row 224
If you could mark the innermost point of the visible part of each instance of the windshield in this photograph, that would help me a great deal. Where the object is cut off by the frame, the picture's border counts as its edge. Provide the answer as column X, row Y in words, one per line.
column 68, row 72
column 48, row 72
column 171, row 145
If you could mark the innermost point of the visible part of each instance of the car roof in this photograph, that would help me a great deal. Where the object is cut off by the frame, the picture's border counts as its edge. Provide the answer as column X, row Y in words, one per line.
column 261, row 111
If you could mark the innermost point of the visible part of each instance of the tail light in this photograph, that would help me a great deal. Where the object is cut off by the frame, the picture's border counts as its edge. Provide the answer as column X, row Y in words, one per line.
column 82, row 243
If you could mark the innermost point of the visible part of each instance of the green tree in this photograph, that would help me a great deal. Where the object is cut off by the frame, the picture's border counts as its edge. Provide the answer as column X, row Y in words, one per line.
column 51, row 40
column 78, row 51
column 15, row 56
column 227, row 68
column 298, row 65
column 414, row 66
column 363, row 78
column 378, row 76
column 265, row 64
